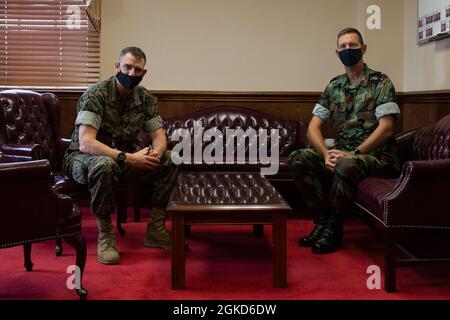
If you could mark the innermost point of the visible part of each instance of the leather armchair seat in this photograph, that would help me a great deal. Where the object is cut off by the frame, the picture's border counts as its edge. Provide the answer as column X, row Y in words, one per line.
column 30, row 130
column 418, row 199
column 32, row 212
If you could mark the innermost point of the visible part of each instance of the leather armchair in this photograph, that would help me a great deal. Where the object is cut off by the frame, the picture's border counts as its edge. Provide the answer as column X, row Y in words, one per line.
column 32, row 212
column 30, row 130
column 418, row 199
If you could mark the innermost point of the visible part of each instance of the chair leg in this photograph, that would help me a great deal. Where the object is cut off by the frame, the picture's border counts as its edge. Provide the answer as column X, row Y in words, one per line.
column 137, row 204
column 258, row 230
column 59, row 247
column 27, row 257
column 137, row 214
column 119, row 224
column 79, row 243
column 121, row 210
column 390, row 261
column 187, row 230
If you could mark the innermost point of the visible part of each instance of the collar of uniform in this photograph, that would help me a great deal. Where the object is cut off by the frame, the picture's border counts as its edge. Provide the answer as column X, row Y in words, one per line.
column 362, row 80
column 115, row 95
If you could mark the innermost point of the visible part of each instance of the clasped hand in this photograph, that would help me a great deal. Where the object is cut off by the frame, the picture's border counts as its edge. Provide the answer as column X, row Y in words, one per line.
column 332, row 156
column 144, row 160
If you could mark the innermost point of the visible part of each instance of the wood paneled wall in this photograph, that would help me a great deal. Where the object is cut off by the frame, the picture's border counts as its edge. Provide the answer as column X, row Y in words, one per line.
column 418, row 108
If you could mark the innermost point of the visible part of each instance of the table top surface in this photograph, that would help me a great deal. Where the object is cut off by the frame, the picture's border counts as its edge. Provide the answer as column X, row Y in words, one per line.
column 225, row 189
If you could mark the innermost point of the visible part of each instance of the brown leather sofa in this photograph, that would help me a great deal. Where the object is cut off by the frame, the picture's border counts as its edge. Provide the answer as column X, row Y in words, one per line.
column 418, row 200
column 31, row 211
column 30, row 130
column 292, row 137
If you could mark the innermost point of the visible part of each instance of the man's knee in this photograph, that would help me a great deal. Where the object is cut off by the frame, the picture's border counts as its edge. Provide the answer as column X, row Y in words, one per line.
column 299, row 159
column 346, row 167
column 168, row 160
column 105, row 167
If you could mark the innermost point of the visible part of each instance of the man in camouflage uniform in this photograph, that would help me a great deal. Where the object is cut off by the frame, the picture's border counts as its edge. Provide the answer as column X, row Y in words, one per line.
column 361, row 105
column 104, row 151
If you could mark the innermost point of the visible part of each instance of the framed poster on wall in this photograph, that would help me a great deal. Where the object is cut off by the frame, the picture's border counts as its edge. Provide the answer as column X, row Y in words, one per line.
column 433, row 20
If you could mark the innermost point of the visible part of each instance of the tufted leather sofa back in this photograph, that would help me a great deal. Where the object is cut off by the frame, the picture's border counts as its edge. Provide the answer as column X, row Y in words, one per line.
column 28, row 117
column 292, row 133
column 433, row 143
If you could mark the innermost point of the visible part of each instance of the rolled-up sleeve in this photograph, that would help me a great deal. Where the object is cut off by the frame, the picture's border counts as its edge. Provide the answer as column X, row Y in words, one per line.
column 153, row 120
column 91, row 108
column 88, row 118
column 153, row 124
column 321, row 112
column 385, row 102
column 387, row 109
column 322, row 108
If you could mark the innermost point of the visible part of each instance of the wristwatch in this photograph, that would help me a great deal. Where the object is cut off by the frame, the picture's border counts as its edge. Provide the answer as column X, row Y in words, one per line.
column 121, row 158
column 357, row 151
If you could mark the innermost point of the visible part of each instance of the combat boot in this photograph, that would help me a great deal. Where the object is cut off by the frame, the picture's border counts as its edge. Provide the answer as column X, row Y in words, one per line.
column 315, row 235
column 330, row 240
column 106, row 246
column 157, row 236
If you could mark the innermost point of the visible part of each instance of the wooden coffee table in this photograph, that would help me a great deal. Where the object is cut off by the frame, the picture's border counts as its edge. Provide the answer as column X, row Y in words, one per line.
column 227, row 198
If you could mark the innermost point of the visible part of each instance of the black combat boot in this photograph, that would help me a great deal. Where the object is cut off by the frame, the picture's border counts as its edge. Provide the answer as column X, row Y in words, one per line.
column 315, row 235
column 330, row 240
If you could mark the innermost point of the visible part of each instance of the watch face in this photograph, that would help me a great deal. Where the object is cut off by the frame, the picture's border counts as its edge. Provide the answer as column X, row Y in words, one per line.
column 121, row 157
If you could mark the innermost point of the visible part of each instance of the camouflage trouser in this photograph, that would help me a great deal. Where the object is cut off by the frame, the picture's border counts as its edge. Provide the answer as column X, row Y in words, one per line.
column 327, row 193
column 103, row 176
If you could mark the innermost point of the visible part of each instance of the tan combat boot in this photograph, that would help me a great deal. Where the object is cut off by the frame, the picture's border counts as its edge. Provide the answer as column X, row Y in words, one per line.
column 106, row 247
column 157, row 236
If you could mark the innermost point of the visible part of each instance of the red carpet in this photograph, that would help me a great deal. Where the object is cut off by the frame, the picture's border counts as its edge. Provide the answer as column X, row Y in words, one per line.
column 224, row 263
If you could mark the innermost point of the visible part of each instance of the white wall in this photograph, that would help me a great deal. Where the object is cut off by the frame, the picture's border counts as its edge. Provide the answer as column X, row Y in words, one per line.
column 248, row 45
column 427, row 67
column 385, row 46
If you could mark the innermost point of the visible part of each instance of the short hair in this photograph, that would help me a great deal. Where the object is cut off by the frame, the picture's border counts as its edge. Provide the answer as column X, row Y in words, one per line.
column 348, row 31
column 135, row 51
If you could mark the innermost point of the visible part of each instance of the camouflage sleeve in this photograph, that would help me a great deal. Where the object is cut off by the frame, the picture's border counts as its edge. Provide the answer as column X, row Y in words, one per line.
column 322, row 108
column 153, row 120
column 90, row 109
column 385, row 102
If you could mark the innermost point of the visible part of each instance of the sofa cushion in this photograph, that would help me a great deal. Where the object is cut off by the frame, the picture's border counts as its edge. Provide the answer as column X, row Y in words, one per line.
column 292, row 133
column 283, row 170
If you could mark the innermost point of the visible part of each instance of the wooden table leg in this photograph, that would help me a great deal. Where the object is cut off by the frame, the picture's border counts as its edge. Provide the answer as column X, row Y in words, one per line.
column 178, row 254
column 258, row 230
column 279, row 251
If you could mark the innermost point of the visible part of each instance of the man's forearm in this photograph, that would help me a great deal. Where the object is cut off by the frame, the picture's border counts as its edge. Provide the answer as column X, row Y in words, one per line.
column 316, row 139
column 159, row 144
column 96, row 148
column 159, row 141
column 377, row 138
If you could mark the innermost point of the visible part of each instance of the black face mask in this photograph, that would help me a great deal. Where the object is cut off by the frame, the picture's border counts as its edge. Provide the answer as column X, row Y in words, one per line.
column 350, row 57
column 128, row 82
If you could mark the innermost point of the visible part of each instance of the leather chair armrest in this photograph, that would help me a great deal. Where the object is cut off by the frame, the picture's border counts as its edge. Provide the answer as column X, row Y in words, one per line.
column 404, row 143
column 22, row 152
column 30, row 170
column 420, row 197
column 68, row 213
column 64, row 143
column 61, row 147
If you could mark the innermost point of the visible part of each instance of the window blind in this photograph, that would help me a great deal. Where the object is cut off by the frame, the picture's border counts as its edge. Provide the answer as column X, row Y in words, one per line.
column 47, row 44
